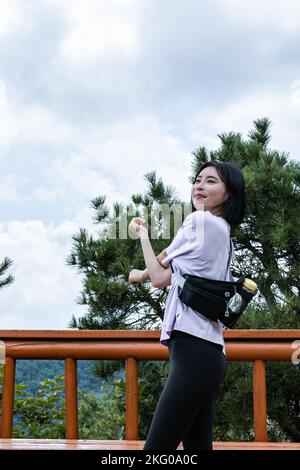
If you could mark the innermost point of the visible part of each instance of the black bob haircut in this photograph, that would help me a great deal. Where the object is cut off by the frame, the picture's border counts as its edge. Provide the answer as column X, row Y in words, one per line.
column 233, row 209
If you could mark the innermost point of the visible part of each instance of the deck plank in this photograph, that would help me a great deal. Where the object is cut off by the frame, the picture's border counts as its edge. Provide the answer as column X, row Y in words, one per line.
column 90, row 444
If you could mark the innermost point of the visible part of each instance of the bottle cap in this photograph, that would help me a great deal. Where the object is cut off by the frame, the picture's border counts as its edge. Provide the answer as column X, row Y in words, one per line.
column 249, row 284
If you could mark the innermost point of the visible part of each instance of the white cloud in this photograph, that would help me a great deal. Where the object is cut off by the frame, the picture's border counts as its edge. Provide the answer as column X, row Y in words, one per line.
column 9, row 192
column 83, row 218
column 37, row 124
column 98, row 30
column 12, row 17
column 279, row 106
column 45, row 289
column 75, row 173
column 114, row 159
column 43, row 194
column 270, row 14
column 31, row 123
column 8, row 119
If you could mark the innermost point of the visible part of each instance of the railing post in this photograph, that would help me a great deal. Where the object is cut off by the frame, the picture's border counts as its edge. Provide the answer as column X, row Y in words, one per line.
column 131, row 399
column 8, row 395
column 71, row 398
column 259, row 401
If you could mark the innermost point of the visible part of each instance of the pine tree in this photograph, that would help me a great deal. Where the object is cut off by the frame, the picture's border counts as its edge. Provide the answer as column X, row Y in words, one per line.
column 106, row 262
column 4, row 265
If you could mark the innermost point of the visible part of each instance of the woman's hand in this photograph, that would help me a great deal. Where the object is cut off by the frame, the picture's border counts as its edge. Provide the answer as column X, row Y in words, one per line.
column 136, row 276
column 136, row 228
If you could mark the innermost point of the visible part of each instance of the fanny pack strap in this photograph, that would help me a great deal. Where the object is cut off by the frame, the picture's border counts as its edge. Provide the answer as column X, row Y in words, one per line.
column 181, row 280
column 231, row 256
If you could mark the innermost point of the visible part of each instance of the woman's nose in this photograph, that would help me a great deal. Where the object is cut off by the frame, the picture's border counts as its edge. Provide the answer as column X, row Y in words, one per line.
column 199, row 185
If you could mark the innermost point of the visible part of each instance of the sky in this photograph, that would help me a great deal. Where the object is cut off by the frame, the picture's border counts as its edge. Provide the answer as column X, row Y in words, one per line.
column 96, row 93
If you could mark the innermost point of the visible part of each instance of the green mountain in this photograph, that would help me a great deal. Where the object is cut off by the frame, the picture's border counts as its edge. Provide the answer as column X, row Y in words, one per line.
column 32, row 372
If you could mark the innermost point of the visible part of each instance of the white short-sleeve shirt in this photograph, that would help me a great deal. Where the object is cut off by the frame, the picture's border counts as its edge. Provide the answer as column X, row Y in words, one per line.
column 201, row 247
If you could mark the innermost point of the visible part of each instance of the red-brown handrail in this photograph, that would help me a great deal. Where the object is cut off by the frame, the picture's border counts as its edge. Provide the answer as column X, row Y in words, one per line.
column 257, row 346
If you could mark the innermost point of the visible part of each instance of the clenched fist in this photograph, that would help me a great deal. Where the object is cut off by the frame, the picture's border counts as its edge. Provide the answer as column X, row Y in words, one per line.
column 136, row 276
column 136, row 228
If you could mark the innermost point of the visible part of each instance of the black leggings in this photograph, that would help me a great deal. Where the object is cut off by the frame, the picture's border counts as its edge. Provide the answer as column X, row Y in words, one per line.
column 185, row 409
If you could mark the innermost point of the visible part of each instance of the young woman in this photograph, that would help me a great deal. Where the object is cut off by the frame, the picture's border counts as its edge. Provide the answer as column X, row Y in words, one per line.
column 184, row 412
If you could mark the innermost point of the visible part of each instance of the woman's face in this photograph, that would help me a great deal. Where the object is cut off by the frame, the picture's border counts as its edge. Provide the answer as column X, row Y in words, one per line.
column 209, row 190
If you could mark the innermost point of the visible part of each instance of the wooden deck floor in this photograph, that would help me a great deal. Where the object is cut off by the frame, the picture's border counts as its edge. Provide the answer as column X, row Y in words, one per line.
column 80, row 444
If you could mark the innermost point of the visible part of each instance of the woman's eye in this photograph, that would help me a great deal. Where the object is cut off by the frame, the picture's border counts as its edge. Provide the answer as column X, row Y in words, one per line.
column 209, row 181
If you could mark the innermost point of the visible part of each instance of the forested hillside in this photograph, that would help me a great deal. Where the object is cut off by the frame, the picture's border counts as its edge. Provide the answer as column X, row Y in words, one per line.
column 32, row 372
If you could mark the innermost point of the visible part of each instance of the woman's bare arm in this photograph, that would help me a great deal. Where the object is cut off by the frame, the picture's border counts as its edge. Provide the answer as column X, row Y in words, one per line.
column 160, row 276
column 159, row 258
column 155, row 270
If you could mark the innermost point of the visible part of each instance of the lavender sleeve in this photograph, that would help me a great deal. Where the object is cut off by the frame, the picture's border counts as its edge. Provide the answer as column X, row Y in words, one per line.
column 188, row 238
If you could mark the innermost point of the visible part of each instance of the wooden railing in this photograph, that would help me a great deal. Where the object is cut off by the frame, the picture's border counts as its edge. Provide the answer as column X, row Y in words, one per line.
column 256, row 346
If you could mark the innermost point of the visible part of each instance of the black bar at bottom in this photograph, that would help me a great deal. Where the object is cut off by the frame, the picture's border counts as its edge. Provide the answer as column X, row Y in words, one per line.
column 138, row 459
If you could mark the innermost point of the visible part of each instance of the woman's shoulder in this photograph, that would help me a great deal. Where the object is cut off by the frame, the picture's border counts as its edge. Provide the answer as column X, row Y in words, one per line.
column 215, row 230
column 217, row 219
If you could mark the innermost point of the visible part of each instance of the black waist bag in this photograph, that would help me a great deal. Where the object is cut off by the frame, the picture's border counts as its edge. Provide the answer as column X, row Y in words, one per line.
column 210, row 297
